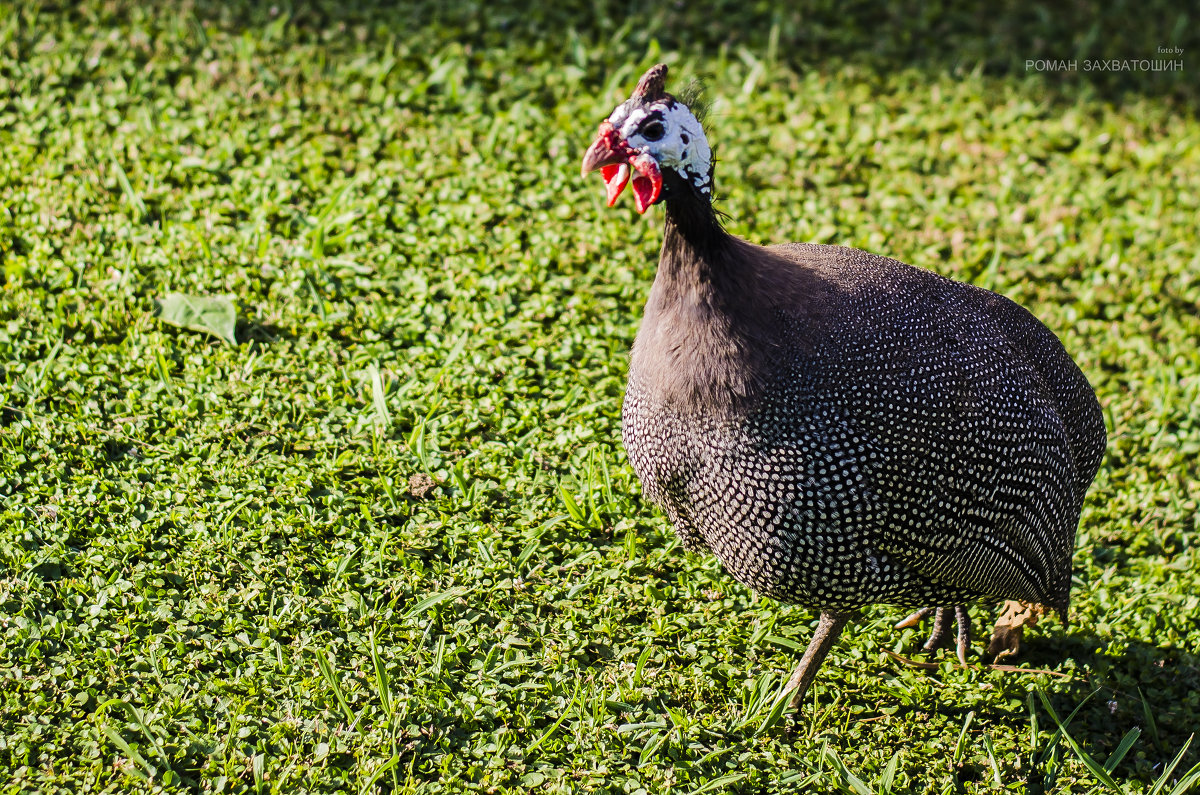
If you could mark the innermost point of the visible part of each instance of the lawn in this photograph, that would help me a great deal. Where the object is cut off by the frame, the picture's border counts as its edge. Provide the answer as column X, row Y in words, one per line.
column 384, row 537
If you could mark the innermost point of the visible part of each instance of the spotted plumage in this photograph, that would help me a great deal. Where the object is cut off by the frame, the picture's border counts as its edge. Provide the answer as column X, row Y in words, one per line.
column 841, row 429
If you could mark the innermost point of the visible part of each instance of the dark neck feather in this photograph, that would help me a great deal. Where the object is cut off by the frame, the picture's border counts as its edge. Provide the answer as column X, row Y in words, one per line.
column 695, row 350
column 692, row 226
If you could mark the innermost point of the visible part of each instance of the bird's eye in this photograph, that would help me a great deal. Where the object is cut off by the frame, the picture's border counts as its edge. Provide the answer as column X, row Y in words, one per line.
column 653, row 131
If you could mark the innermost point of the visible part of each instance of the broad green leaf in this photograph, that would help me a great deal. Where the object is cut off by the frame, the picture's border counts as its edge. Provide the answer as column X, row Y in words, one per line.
column 216, row 315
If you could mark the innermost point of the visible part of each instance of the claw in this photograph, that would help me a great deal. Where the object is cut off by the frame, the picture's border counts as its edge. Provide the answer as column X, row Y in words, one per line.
column 1010, row 627
column 915, row 618
column 963, row 640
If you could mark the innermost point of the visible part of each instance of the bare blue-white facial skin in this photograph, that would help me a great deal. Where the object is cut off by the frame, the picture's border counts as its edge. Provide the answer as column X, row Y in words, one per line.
column 676, row 141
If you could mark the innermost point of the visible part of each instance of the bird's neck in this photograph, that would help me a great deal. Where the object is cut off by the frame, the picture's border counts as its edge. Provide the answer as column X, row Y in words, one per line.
column 693, row 233
column 695, row 245
column 695, row 348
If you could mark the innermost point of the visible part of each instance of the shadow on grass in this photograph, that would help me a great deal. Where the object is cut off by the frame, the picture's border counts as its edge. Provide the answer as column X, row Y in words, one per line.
column 1133, row 686
column 1142, row 686
column 1117, row 50
column 1139, row 681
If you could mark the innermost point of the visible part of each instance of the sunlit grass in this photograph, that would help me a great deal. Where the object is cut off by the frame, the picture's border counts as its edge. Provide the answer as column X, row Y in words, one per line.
column 389, row 541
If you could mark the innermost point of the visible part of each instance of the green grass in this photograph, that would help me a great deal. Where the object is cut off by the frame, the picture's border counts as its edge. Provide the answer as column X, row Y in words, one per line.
column 389, row 540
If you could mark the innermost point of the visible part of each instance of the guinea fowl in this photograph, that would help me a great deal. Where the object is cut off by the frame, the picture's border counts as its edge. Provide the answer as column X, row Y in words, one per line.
column 842, row 429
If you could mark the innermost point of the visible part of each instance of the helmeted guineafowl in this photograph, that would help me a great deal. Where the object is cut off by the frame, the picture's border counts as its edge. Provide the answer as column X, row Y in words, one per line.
column 839, row 428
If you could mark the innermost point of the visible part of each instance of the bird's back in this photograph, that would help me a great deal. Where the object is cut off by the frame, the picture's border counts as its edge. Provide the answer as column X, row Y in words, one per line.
column 985, row 332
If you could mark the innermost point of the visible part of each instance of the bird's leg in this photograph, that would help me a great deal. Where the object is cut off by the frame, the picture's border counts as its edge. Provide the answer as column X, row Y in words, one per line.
column 942, row 616
column 828, row 629
column 941, row 628
column 963, row 640
column 941, row 625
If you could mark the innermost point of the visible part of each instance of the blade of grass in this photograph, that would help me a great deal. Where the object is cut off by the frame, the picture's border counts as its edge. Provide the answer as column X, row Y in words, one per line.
column 1188, row 779
column 720, row 783
column 35, row 387
column 654, row 742
column 381, row 677
column 991, row 753
column 1033, row 725
column 1186, row 784
column 783, row 697
column 385, row 767
column 327, row 673
column 962, row 737
column 1151, row 724
column 889, row 773
column 1062, row 725
column 131, row 196
column 571, row 505
column 848, row 778
column 554, row 727
column 147, row 770
column 1126, row 743
column 383, row 417
column 434, row 599
column 1094, row 767
column 641, row 665
column 322, row 223
column 536, row 541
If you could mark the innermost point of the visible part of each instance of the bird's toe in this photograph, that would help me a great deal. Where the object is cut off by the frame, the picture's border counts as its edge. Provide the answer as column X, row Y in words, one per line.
column 915, row 618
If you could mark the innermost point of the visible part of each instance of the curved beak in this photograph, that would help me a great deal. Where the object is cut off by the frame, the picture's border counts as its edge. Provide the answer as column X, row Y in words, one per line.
column 607, row 150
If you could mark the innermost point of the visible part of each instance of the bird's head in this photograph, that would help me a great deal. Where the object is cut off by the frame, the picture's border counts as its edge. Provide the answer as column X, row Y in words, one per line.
column 651, row 133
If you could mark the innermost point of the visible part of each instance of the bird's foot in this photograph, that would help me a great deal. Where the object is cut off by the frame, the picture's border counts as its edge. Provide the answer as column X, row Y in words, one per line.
column 1010, row 628
column 942, row 618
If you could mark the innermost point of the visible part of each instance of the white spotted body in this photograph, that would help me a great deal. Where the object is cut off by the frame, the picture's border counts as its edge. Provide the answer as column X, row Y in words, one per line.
column 918, row 454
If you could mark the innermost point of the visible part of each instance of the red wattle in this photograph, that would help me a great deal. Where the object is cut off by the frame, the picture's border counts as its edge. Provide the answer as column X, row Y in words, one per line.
column 647, row 185
column 615, row 177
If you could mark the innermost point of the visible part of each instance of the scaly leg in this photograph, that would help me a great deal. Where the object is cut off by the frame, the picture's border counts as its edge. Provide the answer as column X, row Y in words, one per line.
column 942, row 617
column 828, row 629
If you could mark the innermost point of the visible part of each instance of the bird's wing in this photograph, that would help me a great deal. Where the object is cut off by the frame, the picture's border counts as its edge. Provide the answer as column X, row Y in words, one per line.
column 971, row 455
column 964, row 454
column 951, row 397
